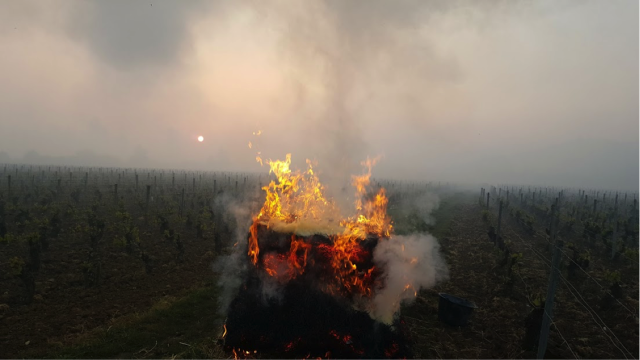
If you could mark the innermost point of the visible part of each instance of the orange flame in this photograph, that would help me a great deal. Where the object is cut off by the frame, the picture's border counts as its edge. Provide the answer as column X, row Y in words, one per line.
column 295, row 201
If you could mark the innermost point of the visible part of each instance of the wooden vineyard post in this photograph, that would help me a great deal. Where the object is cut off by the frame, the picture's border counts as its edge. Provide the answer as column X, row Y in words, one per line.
column 499, row 219
column 533, row 200
column 9, row 183
column 214, row 187
column 148, row 195
column 488, row 197
column 633, row 217
column 173, row 180
column 595, row 204
column 182, row 202
column 586, row 201
column 553, row 283
column 614, row 239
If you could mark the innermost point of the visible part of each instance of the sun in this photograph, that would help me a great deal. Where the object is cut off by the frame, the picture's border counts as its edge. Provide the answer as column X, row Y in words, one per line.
column 201, row 138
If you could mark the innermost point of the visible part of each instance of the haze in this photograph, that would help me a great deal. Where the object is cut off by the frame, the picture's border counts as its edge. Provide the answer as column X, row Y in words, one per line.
column 520, row 92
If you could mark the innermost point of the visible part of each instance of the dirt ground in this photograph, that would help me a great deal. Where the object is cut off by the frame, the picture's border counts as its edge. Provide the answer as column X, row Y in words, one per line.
column 497, row 326
column 64, row 309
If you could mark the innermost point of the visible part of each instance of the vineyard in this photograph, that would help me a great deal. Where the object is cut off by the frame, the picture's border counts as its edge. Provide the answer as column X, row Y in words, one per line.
column 83, row 246
column 112, row 262
column 578, row 249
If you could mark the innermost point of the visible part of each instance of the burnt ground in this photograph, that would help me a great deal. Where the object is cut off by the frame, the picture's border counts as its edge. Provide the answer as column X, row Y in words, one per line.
column 172, row 312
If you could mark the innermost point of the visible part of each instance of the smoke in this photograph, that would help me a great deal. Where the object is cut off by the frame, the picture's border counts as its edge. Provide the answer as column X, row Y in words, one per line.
column 410, row 263
column 336, row 54
column 424, row 203
column 148, row 33
column 232, row 217
column 434, row 86
column 414, row 202
column 231, row 269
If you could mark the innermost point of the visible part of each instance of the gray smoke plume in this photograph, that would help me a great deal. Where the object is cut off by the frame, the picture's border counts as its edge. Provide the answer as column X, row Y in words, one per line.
column 410, row 263
column 233, row 215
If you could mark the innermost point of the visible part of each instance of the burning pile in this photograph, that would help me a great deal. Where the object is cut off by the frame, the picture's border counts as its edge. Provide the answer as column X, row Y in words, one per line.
column 311, row 290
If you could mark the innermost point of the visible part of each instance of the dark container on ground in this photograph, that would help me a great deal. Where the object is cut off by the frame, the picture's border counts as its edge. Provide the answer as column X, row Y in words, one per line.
column 454, row 311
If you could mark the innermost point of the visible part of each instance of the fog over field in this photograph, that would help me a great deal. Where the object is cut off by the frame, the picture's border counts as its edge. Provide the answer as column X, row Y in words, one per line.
column 540, row 93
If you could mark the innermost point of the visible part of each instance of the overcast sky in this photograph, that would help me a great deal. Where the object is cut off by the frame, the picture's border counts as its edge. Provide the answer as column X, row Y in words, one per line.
column 531, row 92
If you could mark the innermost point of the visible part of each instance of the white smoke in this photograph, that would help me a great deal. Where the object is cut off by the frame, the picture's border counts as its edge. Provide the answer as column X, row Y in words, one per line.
column 234, row 211
column 424, row 203
column 231, row 269
column 410, row 263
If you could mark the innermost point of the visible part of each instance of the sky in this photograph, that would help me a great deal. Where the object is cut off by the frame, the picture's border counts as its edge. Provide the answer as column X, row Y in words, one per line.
column 519, row 92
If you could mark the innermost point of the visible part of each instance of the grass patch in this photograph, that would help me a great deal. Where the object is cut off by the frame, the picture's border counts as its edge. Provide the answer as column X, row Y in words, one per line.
column 183, row 328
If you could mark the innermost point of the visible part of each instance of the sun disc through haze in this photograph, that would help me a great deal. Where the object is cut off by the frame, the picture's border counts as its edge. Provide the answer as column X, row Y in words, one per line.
column 201, row 138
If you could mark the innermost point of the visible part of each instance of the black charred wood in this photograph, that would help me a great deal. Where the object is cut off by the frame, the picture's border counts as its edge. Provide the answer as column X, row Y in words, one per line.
column 298, row 318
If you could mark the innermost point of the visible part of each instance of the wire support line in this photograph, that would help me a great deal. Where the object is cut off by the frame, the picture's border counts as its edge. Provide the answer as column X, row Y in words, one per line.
column 561, row 336
column 602, row 325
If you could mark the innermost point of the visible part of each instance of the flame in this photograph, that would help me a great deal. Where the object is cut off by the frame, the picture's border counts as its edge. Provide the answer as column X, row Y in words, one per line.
column 294, row 200
column 224, row 334
column 250, row 145
column 244, row 353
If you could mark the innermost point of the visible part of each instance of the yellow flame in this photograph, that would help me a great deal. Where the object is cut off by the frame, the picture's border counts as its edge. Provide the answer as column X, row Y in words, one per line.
column 296, row 197
column 259, row 158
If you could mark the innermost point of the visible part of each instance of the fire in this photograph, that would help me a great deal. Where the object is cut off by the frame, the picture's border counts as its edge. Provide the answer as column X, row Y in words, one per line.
column 295, row 202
